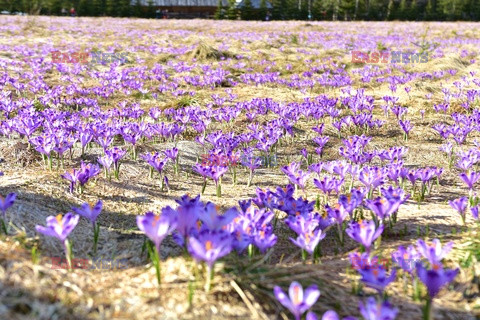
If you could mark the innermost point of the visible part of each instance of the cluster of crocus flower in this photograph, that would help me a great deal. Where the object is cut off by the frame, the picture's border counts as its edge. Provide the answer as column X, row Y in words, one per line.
column 423, row 262
column 78, row 178
column 298, row 301
column 157, row 162
column 213, row 172
column 205, row 233
column 295, row 175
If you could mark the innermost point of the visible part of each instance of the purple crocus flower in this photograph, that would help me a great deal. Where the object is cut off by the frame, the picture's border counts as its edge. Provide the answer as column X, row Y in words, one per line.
column 434, row 252
column 373, row 310
column 86, row 172
column 327, row 185
column 213, row 172
column 210, row 246
column 90, row 212
column 376, row 278
column 406, row 127
column 329, row 315
column 460, row 205
column 264, row 238
column 295, row 175
column 338, row 212
column 297, row 300
column 351, row 201
column 381, row 207
column 474, row 211
column 309, row 240
column 59, row 227
column 470, row 179
column 171, row 153
column 155, row 160
column 6, row 203
column 106, row 161
column 156, row 228
column 435, row 278
column 116, row 154
column 371, row 177
column 211, row 220
column 364, row 232
column 71, row 176
column 406, row 258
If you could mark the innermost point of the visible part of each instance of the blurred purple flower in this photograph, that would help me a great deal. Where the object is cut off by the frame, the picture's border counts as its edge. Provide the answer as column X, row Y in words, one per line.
column 297, row 301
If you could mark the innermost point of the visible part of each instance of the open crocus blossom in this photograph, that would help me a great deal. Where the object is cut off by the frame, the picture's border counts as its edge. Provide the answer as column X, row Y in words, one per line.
column 60, row 227
column 210, row 246
column 309, row 240
column 434, row 279
column 295, row 175
column 474, row 211
column 470, row 178
column 364, row 232
column 6, row 203
column 373, row 310
column 212, row 220
column 434, row 252
column 406, row 258
column 460, row 205
column 329, row 315
column 91, row 213
column 156, row 228
column 297, row 301
column 376, row 278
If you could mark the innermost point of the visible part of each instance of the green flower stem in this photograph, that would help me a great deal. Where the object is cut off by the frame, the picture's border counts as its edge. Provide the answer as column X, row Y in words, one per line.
column 4, row 225
column 96, row 233
column 208, row 280
column 427, row 311
column 68, row 253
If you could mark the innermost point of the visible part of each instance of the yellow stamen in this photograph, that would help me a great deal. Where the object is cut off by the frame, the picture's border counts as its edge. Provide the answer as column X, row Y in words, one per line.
column 59, row 219
column 296, row 296
column 308, row 237
column 208, row 245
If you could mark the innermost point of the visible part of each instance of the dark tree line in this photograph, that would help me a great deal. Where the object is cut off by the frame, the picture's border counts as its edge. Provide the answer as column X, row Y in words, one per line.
column 280, row 9
column 429, row 10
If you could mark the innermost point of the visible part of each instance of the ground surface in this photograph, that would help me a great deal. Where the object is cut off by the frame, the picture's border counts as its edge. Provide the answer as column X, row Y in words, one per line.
column 36, row 291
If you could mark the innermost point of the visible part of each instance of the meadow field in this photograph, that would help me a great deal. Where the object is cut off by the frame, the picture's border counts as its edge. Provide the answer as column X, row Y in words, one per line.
column 195, row 169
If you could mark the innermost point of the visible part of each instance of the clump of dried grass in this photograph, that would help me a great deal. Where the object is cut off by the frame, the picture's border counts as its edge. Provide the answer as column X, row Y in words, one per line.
column 204, row 51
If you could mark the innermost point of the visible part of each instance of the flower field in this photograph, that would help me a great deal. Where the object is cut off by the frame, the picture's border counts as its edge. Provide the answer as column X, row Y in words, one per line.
column 238, row 170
